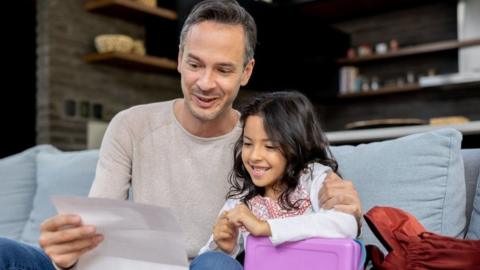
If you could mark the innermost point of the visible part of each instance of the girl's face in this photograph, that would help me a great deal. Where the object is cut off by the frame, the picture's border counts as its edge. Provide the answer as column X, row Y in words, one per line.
column 262, row 158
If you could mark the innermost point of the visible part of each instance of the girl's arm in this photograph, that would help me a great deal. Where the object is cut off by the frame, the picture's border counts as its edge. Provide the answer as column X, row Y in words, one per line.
column 222, row 227
column 321, row 223
column 324, row 223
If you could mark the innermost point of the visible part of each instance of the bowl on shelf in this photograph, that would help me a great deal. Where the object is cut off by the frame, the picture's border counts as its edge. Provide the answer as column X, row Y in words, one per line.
column 113, row 43
column 138, row 47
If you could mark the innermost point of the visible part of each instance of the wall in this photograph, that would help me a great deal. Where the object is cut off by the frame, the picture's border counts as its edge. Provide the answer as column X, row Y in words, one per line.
column 65, row 33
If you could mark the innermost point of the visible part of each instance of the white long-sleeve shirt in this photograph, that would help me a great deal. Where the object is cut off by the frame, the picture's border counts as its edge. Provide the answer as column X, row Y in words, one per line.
column 315, row 222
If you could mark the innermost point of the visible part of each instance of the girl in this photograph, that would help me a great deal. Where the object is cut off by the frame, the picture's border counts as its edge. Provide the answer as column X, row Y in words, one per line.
column 280, row 162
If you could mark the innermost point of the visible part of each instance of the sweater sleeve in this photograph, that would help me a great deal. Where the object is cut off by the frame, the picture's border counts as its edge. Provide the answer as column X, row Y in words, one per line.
column 324, row 223
column 114, row 168
column 211, row 245
column 113, row 172
column 320, row 223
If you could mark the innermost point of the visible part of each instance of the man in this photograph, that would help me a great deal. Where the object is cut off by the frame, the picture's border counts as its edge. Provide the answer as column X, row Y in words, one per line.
column 177, row 153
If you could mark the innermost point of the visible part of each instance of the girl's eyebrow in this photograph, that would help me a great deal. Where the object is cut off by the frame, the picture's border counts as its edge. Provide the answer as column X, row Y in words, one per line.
column 265, row 140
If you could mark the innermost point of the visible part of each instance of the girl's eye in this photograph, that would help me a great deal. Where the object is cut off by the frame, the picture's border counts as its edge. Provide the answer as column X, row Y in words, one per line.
column 271, row 147
column 247, row 144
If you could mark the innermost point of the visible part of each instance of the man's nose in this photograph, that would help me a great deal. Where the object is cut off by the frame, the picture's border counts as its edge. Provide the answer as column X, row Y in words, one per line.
column 206, row 81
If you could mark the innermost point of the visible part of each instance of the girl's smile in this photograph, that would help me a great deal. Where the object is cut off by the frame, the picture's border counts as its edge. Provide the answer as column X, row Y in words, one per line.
column 258, row 172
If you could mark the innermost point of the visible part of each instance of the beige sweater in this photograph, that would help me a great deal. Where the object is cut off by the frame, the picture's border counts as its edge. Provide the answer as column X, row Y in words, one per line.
column 146, row 146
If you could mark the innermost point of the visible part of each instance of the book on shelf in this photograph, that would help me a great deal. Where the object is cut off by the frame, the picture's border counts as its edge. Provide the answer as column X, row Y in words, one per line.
column 349, row 80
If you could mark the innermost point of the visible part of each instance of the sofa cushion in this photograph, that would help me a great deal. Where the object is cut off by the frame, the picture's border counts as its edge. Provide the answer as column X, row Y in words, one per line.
column 17, row 187
column 471, row 160
column 474, row 228
column 422, row 174
column 66, row 173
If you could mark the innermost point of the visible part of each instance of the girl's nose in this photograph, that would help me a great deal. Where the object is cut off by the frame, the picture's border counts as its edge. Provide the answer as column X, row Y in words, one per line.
column 255, row 154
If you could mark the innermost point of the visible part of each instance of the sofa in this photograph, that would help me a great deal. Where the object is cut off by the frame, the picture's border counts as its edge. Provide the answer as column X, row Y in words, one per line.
column 426, row 174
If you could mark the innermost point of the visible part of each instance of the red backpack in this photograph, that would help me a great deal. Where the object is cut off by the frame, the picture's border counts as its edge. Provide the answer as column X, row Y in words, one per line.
column 411, row 247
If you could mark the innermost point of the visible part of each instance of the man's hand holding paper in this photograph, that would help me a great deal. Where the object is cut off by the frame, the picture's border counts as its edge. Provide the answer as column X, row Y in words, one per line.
column 135, row 235
column 65, row 239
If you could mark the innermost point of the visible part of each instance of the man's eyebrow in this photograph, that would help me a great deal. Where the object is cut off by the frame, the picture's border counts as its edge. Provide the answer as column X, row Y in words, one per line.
column 221, row 65
column 226, row 65
column 191, row 56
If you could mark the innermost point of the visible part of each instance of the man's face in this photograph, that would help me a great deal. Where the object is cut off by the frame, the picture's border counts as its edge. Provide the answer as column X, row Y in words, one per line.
column 212, row 68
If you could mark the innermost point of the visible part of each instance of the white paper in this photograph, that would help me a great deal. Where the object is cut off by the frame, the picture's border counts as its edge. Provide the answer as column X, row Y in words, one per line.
column 136, row 236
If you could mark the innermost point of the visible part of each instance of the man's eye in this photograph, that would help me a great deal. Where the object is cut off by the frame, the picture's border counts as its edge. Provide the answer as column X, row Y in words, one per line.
column 225, row 71
column 193, row 65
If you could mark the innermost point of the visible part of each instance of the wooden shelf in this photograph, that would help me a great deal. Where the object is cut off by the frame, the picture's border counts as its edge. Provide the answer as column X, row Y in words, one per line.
column 133, row 61
column 128, row 10
column 383, row 91
column 412, row 50
column 340, row 10
column 413, row 88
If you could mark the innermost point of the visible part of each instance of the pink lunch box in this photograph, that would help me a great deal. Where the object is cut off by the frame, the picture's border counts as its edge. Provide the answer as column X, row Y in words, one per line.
column 309, row 254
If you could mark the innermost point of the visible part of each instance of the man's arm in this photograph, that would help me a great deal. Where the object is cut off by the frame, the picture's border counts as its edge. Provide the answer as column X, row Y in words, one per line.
column 114, row 168
column 64, row 238
column 340, row 195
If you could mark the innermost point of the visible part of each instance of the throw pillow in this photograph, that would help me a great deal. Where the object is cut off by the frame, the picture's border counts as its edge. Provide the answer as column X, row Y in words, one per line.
column 474, row 228
column 67, row 173
column 422, row 174
column 17, row 187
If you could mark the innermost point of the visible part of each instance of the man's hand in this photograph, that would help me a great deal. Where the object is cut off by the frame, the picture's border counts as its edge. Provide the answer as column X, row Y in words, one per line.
column 64, row 239
column 225, row 234
column 340, row 195
column 242, row 216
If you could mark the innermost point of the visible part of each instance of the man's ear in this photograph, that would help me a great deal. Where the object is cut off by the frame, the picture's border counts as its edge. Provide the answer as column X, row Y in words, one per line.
column 179, row 60
column 247, row 72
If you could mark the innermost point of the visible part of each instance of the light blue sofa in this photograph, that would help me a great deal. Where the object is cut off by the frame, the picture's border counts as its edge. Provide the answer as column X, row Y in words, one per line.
column 425, row 174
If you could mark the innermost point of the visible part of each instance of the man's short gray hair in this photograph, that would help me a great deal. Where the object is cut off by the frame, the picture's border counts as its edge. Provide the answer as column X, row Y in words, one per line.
column 225, row 12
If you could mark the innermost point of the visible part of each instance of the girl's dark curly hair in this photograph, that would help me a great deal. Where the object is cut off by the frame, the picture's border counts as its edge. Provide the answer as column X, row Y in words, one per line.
column 291, row 123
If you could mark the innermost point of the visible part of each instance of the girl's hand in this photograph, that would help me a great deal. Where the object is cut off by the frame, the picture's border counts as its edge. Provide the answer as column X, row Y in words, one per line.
column 225, row 234
column 242, row 216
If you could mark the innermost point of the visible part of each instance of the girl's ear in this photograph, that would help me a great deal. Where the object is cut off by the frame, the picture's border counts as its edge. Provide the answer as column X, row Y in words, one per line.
column 247, row 72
